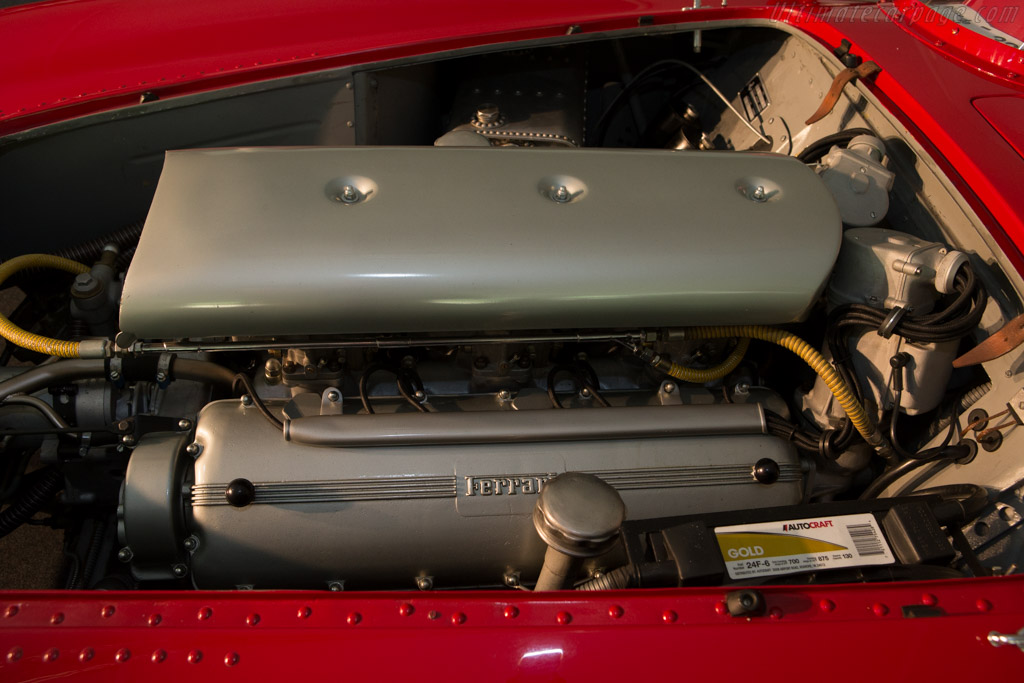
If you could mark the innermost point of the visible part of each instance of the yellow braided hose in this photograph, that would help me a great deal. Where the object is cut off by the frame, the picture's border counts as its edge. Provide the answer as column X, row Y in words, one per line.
column 709, row 374
column 789, row 341
column 19, row 337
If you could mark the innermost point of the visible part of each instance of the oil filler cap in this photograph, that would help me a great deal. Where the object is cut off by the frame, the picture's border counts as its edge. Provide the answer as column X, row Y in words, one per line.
column 578, row 514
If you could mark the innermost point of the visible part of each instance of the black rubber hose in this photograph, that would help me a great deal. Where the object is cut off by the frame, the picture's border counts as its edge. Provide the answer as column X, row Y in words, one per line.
column 815, row 150
column 883, row 481
column 616, row 579
column 92, row 554
column 243, row 380
column 407, row 381
column 40, row 489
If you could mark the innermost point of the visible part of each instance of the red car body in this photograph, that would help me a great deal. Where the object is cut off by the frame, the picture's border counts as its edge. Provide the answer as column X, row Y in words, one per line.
column 960, row 95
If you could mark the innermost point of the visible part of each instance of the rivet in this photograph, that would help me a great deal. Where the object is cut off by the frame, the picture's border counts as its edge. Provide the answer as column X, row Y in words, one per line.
column 11, row 611
column 107, row 611
column 57, row 618
column 775, row 613
column 204, row 613
column 154, row 619
column 511, row 612
column 615, row 611
column 122, row 655
column 983, row 605
column 433, row 614
column 194, row 656
column 252, row 619
column 879, row 609
column 458, row 618
column 826, row 605
column 405, row 609
column 158, row 656
column 929, row 599
column 353, row 618
column 720, row 608
column 13, row 655
column 86, row 654
column 230, row 659
column 304, row 612
column 51, row 655
column 669, row 616
column 563, row 618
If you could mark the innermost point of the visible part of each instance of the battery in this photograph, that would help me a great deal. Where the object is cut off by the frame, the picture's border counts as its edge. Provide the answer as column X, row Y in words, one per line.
column 770, row 544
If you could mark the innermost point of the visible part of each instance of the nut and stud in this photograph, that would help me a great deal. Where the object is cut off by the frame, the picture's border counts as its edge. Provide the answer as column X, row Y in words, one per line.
column 424, row 583
column 668, row 387
column 125, row 554
column 194, row 449
column 488, row 114
column 333, row 396
column 246, row 400
column 128, row 440
column 512, row 579
column 504, row 395
column 561, row 194
column 348, row 195
column 184, row 424
column 759, row 195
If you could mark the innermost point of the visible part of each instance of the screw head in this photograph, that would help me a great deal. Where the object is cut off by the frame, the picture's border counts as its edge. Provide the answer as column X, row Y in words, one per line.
column 128, row 440
column 191, row 543
column 246, row 400
column 180, row 570
column 184, row 424
column 504, row 395
column 512, row 579
column 125, row 554
column 336, row 586
column 194, row 449
column 333, row 396
column 424, row 583
column 669, row 387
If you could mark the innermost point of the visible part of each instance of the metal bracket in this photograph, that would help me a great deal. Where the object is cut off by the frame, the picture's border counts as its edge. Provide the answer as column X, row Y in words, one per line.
column 330, row 401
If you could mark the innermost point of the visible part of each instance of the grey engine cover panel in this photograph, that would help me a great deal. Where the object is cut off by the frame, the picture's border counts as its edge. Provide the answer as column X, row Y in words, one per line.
column 375, row 516
column 245, row 242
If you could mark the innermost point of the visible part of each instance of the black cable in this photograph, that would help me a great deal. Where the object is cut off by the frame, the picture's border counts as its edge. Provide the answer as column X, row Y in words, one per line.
column 38, row 491
column 256, row 400
column 584, row 376
column 405, row 380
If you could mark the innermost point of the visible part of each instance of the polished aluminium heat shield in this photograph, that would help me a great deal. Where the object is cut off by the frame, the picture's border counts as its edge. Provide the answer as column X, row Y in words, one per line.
column 383, row 515
column 304, row 241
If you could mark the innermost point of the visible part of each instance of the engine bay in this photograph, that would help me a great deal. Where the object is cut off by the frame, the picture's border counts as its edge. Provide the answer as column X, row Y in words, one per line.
column 596, row 314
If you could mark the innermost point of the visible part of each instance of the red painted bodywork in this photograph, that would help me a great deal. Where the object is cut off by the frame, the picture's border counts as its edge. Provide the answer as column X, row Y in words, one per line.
column 70, row 58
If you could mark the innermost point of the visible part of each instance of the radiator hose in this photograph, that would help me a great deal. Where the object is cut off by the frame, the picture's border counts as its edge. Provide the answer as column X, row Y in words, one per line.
column 34, row 342
column 789, row 341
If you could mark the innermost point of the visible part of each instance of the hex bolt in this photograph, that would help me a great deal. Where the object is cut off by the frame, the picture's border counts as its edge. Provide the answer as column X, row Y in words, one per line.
column 333, row 396
column 125, row 554
column 180, row 571
column 561, row 194
column 184, row 424
column 191, row 543
column 488, row 114
column 124, row 425
column 424, row 583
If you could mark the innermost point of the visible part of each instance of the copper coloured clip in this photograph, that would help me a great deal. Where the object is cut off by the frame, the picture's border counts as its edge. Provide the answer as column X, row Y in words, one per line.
column 865, row 70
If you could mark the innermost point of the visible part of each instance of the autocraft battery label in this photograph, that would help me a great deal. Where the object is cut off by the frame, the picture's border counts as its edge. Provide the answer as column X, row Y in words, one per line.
column 800, row 545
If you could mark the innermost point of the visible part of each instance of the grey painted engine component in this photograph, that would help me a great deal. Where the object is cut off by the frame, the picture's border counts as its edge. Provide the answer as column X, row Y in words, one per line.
column 885, row 269
column 248, row 242
column 382, row 516
column 858, row 180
